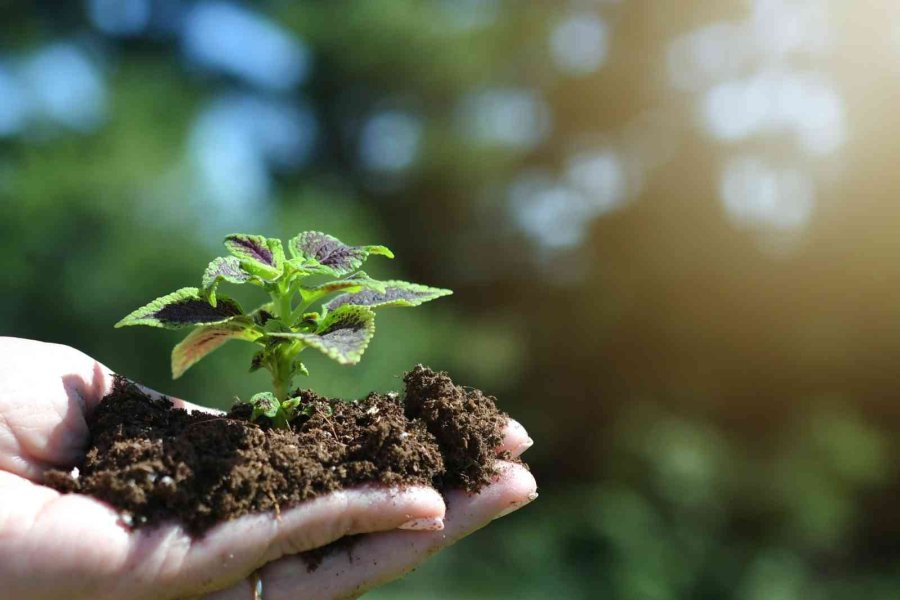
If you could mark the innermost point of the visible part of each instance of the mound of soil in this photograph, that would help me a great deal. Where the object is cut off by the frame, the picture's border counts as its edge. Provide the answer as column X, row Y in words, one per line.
column 157, row 463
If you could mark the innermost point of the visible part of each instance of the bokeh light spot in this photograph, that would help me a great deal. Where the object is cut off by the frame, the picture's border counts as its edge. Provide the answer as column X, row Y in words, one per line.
column 758, row 195
column 13, row 104
column 579, row 44
column 216, row 35
column 601, row 177
column 238, row 139
column 119, row 17
column 389, row 141
column 65, row 87
column 516, row 118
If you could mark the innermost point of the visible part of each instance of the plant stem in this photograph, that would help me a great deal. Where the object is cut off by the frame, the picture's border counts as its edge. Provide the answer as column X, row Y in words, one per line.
column 281, row 303
column 281, row 362
column 302, row 305
column 281, row 365
column 279, row 385
column 285, row 309
column 281, row 374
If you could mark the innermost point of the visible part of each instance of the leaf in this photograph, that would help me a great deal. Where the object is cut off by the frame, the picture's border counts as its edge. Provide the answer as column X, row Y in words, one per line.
column 292, row 404
column 354, row 283
column 182, row 308
column 325, row 254
column 257, row 254
column 264, row 404
column 262, row 314
column 227, row 268
column 343, row 335
column 396, row 293
column 256, row 363
column 204, row 340
column 274, row 325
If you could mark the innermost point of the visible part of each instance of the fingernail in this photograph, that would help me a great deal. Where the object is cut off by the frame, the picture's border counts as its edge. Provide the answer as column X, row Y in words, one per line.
column 523, row 447
column 517, row 505
column 432, row 524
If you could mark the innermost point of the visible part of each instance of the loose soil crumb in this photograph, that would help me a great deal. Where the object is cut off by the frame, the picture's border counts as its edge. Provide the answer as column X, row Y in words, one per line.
column 156, row 463
column 313, row 558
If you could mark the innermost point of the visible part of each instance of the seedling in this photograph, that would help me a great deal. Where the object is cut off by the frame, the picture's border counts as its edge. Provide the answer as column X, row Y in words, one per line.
column 287, row 324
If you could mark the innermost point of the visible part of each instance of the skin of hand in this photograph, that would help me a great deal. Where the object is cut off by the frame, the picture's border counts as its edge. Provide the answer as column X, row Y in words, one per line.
column 72, row 546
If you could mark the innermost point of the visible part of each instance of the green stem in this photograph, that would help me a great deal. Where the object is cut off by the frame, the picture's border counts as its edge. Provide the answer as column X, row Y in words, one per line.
column 281, row 375
column 280, row 386
column 306, row 300
column 281, row 362
column 283, row 308
column 281, row 366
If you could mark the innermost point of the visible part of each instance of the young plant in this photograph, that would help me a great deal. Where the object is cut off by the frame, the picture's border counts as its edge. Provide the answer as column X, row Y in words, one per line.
column 287, row 324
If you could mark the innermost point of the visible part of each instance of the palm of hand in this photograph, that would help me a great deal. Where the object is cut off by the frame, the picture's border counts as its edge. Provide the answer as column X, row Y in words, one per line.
column 74, row 546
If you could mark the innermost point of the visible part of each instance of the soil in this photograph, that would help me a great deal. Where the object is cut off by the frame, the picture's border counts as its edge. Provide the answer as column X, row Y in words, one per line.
column 156, row 463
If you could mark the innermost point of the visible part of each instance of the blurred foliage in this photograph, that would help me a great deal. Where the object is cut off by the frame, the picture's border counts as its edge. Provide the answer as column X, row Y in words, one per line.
column 713, row 401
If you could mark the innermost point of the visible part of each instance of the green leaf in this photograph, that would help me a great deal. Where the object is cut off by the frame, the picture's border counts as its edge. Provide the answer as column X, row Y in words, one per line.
column 292, row 404
column 343, row 335
column 298, row 368
column 183, row 308
column 204, row 340
column 319, row 252
column 227, row 268
column 259, row 255
column 396, row 293
column 274, row 325
column 264, row 404
column 354, row 283
column 305, row 267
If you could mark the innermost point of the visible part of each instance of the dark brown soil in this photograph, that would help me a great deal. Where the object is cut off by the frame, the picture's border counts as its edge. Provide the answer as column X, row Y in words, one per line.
column 156, row 463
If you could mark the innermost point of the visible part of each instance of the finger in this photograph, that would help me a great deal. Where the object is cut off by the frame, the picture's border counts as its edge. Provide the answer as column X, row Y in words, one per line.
column 45, row 391
column 56, row 545
column 230, row 552
column 75, row 546
column 380, row 558
column 515, row 439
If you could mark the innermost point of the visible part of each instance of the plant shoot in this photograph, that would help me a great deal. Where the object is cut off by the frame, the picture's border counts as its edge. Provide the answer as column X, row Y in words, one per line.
column 318, row 298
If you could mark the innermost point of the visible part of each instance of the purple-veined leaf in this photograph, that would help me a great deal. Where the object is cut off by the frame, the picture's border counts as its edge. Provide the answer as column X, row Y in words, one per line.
column 325, row 254
column 227, row 268
column 257, row 254
column 343, row 335
column 204, row 340
column 183, row 308
column 396, row 293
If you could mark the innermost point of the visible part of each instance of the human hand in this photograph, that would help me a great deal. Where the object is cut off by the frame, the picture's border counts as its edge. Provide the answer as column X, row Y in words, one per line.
column 73, row 546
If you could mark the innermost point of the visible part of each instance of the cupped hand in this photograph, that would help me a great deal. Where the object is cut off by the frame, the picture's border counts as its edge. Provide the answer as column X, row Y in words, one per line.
column 71, row 546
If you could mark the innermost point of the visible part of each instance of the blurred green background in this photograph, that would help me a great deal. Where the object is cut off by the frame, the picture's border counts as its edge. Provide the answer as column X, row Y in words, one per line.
column 672, row 229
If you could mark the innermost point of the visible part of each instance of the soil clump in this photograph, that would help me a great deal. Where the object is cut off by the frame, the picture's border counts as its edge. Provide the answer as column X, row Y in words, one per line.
column 156, row 463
